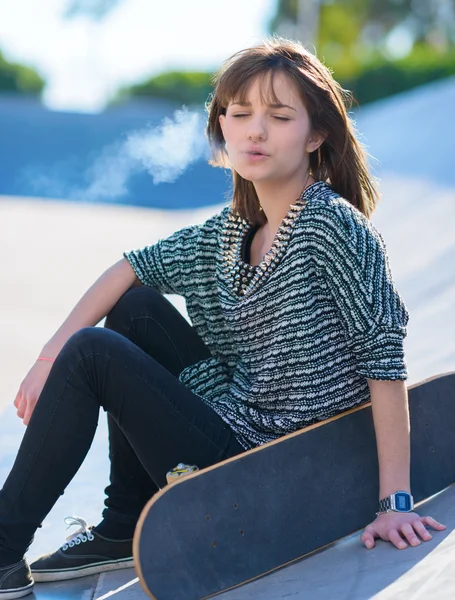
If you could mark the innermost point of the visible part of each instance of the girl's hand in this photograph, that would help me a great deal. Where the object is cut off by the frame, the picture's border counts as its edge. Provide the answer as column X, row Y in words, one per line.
column 30, row 390
column 399, row 528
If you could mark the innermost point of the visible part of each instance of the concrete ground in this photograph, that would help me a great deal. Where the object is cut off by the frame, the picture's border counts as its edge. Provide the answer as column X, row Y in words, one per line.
column 52, row 252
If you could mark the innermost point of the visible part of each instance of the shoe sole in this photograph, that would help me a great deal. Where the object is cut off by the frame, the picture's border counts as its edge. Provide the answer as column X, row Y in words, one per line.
column 16, row 593
column 73, row 573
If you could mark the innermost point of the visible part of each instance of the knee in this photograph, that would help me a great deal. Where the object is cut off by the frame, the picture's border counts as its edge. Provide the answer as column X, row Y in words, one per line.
column 134, row 302
column 86, row 341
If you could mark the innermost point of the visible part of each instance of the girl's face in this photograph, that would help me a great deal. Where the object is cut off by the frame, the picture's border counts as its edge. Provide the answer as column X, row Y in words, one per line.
column 266, row 141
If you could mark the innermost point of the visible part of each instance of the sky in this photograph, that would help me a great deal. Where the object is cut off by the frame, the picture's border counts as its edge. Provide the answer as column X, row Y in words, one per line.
column 84, row 62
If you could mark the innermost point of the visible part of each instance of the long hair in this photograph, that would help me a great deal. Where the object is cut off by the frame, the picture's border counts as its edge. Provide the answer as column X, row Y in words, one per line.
column 340, row 160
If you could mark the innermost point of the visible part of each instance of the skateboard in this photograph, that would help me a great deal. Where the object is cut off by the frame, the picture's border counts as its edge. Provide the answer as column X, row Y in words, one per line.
column 223, row 526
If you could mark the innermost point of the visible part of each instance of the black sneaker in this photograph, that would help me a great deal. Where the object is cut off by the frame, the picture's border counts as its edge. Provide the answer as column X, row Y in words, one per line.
column 85, row 553
column 15, row 581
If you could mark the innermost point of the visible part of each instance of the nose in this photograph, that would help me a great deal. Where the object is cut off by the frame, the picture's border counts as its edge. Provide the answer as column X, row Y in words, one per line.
column 256, row 130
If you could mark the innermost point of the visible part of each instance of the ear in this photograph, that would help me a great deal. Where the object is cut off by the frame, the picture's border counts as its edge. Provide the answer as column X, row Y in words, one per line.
column 222, row 119
column 316, row 139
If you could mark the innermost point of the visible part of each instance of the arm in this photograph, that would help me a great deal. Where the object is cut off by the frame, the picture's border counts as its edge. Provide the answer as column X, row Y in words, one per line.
column 94, row 305
column 351, row 257
column 389, row 404
column 389, row 401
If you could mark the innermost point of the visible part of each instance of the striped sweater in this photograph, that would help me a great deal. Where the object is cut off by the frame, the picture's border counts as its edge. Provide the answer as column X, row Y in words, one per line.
column 300, row 348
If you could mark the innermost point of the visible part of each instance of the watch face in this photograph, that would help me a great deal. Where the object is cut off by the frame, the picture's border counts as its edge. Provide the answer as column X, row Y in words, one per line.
column 402, row 502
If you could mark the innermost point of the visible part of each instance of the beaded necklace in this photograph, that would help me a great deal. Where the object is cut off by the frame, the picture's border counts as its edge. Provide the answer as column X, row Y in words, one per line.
column 242, row 278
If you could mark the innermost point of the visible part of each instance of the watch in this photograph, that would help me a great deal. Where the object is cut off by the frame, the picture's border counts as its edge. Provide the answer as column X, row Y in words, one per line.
column 398, row 502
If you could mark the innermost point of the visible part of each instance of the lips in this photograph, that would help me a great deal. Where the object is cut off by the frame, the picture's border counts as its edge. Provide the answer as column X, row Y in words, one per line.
column 256, row 152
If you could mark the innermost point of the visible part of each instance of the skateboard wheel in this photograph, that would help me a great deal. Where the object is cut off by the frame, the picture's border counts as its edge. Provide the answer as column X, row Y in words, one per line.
column 180, row 471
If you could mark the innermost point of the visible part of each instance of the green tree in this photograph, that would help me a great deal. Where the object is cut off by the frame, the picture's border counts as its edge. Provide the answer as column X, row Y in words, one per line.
column 370, row 22
column 378, row 47
column 186, row 87
column 19, row 78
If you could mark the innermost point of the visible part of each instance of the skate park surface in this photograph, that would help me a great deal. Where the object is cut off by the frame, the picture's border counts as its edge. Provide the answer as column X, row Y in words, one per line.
column 53, row 251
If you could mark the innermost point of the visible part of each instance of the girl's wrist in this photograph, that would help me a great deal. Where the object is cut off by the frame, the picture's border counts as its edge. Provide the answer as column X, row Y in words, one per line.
column 386, row 491
column 45, row 358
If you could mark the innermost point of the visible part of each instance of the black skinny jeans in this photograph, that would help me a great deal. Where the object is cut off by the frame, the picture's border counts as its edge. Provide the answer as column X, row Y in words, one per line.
column 129, row 368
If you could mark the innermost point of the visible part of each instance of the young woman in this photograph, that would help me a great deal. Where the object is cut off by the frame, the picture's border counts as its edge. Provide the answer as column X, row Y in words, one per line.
column 295, row 318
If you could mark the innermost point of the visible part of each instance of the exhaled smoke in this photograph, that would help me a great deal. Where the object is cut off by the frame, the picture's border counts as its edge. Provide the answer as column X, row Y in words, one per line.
column 168, row 150
column 165, row 152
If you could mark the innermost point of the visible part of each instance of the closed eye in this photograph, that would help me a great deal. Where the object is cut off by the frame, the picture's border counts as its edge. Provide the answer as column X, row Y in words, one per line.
column 277, row 117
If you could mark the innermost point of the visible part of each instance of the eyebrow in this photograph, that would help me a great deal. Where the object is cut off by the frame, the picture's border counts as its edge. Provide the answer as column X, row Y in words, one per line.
column 279, row 105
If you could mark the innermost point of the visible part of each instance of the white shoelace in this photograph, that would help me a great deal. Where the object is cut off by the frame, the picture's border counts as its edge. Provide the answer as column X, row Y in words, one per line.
column 83, row 534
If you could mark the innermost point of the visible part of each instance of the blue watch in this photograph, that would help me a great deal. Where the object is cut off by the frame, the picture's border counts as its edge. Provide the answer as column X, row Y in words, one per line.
column 399, row 502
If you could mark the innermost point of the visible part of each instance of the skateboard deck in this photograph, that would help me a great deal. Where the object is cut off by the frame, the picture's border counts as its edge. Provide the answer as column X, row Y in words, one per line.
column 244, row 517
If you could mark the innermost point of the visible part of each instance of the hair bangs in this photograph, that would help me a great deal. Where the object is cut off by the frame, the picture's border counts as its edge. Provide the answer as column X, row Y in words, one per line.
column 236, row 89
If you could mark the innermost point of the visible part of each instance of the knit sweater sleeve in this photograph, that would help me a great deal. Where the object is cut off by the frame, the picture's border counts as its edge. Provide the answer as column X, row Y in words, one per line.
column 173, row 264
column 351, row 257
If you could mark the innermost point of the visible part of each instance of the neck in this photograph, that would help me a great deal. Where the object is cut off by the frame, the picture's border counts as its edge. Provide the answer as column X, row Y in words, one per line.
column 276, row 199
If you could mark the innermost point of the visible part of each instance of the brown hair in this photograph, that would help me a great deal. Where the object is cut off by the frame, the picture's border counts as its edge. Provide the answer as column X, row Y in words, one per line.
column 340, row 160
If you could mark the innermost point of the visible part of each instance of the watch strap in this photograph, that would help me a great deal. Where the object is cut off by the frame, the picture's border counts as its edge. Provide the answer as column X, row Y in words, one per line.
column 385, row 505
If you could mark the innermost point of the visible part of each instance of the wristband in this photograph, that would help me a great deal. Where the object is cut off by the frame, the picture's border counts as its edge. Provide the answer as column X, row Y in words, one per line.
column 45, row 358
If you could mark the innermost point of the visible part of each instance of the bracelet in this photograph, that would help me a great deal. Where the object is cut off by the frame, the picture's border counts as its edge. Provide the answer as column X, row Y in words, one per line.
column 45, row 358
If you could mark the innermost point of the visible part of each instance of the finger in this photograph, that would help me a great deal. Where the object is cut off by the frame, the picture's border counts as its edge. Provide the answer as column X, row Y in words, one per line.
column 367, row 539
column 432, row 523
column 397, row 540
column 408, row 532
column 21, row 408
column 28, row 412
column 18, row 399
column 420, row 528
column 27, row 416
column 23, row 403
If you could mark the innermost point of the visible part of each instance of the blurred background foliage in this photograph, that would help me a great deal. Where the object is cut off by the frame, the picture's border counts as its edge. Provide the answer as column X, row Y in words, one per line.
column 187, row 87
column 376, row 48
column 19, row 78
